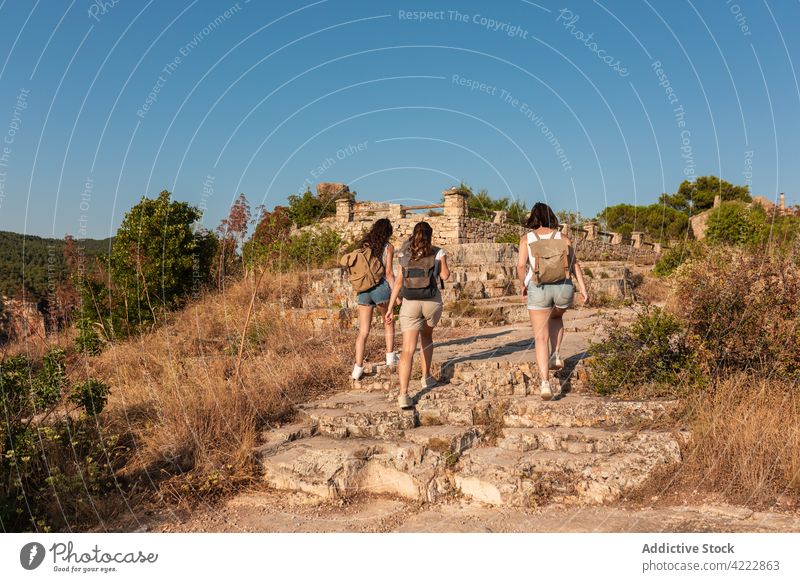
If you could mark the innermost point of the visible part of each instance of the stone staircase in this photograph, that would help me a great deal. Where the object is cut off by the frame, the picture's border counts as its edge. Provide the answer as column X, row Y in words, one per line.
column 483, row 433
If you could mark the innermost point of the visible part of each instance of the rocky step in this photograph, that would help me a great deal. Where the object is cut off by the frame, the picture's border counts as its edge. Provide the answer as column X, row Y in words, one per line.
column 357, row 414
column 579, row 410
column 574, row 410
column 587, row 440
column 335, row 468
column 499, row 476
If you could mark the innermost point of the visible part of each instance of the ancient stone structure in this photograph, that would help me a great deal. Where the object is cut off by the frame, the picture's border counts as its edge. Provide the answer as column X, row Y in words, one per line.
column 451, row 225
column 699, row 222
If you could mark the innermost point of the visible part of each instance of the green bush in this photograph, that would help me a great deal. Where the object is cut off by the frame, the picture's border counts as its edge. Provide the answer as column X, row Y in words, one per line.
column 651, row 357
column 306, row 209
column 53, row 462
column 312, row 249
column 508, row 237
column 735, row 223
column 483, row 207
column 309, row 249
column 674, row 257
column 657, row 221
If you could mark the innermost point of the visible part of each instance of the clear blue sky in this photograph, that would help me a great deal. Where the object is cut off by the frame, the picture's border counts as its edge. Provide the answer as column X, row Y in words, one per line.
column 271, row 96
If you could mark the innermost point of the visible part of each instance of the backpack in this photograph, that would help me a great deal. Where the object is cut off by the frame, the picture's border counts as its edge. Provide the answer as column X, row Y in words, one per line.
column 419, row 276
column 549, row 259
column 364, row 270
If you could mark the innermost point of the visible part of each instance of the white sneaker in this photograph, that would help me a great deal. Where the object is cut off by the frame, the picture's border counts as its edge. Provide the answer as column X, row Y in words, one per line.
column 428, row 382
column 405, row 402
column 358, row 371
column 556, row 363
column 392, row 358
column 546, row 392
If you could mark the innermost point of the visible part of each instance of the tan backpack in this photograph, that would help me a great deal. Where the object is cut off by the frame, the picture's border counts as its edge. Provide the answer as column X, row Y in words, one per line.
column 549, row 259
column 364, row 270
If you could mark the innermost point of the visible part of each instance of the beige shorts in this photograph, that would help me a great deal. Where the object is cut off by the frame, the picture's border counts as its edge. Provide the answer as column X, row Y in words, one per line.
column 415, row 313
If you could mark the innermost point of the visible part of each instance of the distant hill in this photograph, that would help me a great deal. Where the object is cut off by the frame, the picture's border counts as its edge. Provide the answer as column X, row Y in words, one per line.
column 39, row 253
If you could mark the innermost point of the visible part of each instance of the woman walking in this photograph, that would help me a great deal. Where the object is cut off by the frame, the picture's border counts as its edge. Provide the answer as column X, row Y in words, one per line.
column 545, row 267
column 423, row 266
column 377, row 240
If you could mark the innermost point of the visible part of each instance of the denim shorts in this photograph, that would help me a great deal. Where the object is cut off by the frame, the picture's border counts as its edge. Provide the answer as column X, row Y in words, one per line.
column 378, row 295
column 551, row 295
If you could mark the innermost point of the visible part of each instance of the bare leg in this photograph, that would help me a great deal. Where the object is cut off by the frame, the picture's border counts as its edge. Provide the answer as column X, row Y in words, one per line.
column 388, row 329
column 406, row 359
column 556, row 329
column 364, row 323
column 540, row 322
column 426, row 343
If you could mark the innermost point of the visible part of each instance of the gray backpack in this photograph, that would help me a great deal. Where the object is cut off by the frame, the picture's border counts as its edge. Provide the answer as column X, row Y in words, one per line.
column 419, row 276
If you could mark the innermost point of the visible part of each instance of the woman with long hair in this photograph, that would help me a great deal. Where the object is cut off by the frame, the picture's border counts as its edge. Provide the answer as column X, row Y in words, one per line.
column 423, row 266
column 377, row 240
column 547, row 301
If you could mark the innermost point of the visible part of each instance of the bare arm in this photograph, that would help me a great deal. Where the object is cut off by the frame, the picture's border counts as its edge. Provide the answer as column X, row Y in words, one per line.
column 398, row 284
column 579, row 274
column 522, row 263
column 444, row 268
column 388, row 267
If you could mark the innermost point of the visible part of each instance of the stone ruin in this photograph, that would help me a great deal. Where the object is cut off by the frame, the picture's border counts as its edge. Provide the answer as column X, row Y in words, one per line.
column 483, row 271
column 452, row 225
column 699, row 222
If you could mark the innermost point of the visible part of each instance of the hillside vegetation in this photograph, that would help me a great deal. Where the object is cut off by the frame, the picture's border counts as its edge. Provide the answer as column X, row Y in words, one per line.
column 36, row 262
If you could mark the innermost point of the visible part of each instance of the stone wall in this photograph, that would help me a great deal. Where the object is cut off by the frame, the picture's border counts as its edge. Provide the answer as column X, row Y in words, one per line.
column 451, row 226
column 598, row 250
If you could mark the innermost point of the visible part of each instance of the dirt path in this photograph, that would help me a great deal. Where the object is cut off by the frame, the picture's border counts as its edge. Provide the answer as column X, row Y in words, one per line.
column 266, row 511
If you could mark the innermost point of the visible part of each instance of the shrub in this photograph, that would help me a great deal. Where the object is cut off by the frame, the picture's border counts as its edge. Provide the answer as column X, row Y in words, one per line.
column 675, row 256
column 651, row 357
column 657, row 221
column 735, row 223
column 306, row 209
column 508, row 237
column 51, row 471
column 271, row 233
column 743, row 308
column 311, row 249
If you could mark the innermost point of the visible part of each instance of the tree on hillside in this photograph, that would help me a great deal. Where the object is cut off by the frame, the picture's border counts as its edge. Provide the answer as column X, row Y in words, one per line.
column 158, row 258
column 232, row 231
column 271, row 234
column 660, row 223
column 306, row 208
column 699, row 195
column 569, row 217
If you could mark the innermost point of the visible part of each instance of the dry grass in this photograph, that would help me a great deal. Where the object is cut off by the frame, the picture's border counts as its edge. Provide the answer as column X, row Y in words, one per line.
column 193, row 424
column 653, row 290
column 744, row 448
column 746, row 440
